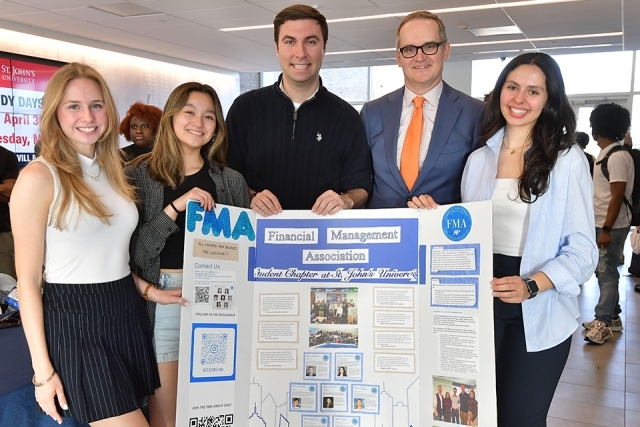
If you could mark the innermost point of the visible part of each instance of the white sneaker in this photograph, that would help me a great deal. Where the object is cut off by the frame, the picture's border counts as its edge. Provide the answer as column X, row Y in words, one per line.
column 616, row 325
column 599, row 333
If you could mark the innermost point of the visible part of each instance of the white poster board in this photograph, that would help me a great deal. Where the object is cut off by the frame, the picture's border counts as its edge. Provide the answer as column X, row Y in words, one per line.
column 346, row 320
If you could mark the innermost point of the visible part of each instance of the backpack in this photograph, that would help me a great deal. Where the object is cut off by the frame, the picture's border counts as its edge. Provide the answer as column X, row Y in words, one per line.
column 634, row 204
column 592, row 162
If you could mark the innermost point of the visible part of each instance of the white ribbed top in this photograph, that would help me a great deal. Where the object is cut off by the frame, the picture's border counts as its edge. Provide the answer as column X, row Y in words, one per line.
column 90, row 251
column 510, row 218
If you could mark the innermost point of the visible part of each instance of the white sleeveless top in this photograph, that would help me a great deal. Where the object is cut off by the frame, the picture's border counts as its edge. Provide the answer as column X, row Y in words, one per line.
column 88, row 250
column 510, row 218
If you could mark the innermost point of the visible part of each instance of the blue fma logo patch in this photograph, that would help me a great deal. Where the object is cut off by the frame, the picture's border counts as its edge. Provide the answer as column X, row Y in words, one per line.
column 456, row 223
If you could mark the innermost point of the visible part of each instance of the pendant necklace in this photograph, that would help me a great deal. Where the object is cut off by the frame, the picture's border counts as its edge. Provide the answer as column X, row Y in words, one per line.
column 97, row 177
column 513, row 150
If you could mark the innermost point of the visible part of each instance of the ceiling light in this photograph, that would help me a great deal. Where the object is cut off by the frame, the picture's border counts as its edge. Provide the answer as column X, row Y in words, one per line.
column 586, row 46
column 490, row 52
column 495, row 31
column 536, row 39
column 388, row 49
column 539, row 39
column 126, row 9
column 436, row 11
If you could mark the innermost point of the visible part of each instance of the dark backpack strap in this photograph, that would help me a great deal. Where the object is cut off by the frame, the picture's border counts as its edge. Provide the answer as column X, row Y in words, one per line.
column 605, row 160
column 591, row 161
column 605, row 170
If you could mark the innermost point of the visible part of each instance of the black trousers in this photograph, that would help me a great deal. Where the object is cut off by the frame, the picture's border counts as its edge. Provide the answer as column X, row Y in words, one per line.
column 525, row 381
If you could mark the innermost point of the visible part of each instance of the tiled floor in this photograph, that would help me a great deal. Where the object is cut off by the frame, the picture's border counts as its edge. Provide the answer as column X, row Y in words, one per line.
column 600, row 385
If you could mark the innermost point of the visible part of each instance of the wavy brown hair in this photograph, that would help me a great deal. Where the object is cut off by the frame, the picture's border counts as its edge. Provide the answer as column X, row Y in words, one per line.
column 58, row 151
column 150, row 113
column 164, row 163
column 551, row 134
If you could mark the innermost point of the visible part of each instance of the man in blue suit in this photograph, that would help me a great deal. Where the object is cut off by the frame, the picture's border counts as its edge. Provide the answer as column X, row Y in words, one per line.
column 450, row 126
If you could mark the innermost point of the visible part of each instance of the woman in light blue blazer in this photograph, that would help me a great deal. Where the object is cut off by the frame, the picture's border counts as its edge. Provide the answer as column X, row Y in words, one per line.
column 543, row 231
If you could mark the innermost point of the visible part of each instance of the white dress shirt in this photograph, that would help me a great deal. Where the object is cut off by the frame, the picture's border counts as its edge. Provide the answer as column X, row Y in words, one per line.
column 429, row 109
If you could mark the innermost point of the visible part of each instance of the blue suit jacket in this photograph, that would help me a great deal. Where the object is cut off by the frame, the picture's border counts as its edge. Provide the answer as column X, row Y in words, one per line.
column 455, row 135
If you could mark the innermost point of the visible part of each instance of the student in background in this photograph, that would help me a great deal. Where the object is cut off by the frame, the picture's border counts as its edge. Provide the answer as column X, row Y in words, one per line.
column 582, row 139
column 609, row 123
column 139, row 126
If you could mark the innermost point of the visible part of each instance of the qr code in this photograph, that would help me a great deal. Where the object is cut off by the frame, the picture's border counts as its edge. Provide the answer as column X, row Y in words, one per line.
column 214, row 349
column 202, row 295
column 219, row 421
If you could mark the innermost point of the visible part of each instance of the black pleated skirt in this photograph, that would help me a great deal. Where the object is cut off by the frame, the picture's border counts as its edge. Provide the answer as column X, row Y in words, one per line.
column 99, row 343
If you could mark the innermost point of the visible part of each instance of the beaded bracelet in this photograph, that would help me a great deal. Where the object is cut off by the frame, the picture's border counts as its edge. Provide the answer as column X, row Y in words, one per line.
column 40, row 384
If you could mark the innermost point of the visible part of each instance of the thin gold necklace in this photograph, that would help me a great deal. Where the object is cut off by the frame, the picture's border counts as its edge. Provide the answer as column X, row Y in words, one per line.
column 95, row 178
column 513, row 150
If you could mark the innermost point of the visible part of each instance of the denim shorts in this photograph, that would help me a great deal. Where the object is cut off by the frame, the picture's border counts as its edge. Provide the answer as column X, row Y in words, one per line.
column 166, row 332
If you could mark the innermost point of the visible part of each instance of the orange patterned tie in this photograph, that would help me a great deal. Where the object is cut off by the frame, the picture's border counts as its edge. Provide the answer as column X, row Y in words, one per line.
column 410, row 158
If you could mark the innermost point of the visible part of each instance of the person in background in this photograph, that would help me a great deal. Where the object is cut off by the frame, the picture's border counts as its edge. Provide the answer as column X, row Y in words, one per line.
column 582, row 139
column 438, row 409
column 455, row 407
column 187, row 162
column 543, row 231
column 73, row 211
column 472, row 413
column 609, row 123
column 8, row 176
column 464, row 398
column 446, row 406
column 139, row 126
column 298, row 145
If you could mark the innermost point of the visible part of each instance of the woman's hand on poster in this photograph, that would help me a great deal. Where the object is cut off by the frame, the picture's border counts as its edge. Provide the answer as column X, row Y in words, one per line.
column 204, row 197
column 159, row 296
column 510, row 289
column 165, row 297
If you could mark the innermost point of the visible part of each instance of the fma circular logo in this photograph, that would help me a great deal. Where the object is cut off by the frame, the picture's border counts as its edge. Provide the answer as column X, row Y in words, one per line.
column 456, row 223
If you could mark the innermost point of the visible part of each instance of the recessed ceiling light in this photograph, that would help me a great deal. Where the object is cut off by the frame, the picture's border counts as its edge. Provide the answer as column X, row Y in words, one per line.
column 539, row 39
column 436, row 11
column 126, row 9
column 536, row 39
column 495, row 31
column 585, row 46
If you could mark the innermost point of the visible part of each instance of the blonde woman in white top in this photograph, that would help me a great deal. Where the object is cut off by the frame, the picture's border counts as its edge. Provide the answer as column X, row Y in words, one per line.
column 73, row 212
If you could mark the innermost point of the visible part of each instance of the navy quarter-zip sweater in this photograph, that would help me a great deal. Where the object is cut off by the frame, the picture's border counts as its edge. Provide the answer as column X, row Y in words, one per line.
column 298, row 155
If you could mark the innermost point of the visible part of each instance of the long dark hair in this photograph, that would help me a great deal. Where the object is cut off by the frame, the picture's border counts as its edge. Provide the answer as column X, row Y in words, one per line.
column 551, row 134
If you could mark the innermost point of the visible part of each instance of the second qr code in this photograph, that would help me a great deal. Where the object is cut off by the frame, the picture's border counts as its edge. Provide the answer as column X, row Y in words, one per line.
column 214, row 349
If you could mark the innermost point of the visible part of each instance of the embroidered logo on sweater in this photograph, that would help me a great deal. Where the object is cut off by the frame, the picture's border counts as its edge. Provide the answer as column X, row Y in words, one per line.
column 318, row 136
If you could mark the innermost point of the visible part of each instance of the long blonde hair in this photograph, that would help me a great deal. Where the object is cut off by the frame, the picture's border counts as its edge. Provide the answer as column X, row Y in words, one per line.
column 58, row 151
column 164, row 163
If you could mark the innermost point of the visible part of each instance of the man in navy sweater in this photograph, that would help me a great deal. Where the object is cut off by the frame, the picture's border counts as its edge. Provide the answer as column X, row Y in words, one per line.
column 298, row 145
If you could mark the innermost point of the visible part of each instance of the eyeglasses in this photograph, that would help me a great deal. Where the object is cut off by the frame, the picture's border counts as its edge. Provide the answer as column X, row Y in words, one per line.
column 429, row 48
